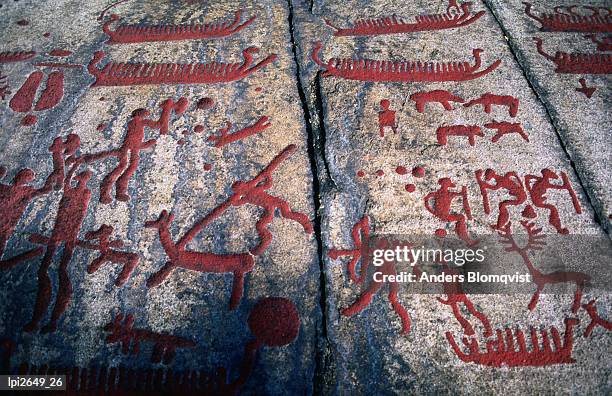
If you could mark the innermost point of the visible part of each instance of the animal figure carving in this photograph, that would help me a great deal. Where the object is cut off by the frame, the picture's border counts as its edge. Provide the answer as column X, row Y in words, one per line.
column 469, row 131
column 150, row 33
column 573, row 22
column 121, row 74
column 454, row 17
column 440, row 96
column 577, row 63
column 505, row 128
column 225, row 138
column 489, row 99
column 404, row 71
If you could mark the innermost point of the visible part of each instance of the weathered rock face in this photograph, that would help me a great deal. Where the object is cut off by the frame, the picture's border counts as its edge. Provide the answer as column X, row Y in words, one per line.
column 195, row 203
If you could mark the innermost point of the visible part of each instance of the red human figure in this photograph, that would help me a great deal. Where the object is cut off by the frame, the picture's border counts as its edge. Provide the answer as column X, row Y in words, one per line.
column 129, row 152
column 596, row 320
column 504, row 128
column 361, row 238
column 471, row 131
column 386, row 118
column 510, row 182
column 107, row 254
column 439, row 204
column 164, row 345
column 440, row 96
column 489, row 99
column 538, row 188
column 535, row 242
column 14, row 199
column 71, row 212
column 60, row 151
column 584, row 89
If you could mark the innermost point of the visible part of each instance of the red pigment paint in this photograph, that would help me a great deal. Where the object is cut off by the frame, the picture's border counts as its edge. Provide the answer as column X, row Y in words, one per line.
column 513, row 186
column 418, row 171
column 410, row 188
column 29, row 120
column 604, row 45
column 454, row 17
column 488, row 100
column 438, row 96
column 258, row 89
column 360, row 235
column 529, row 212
column 274, row 321
column 101, row 127
column 470, row 131
column 380, row 173
column 536, row 242
column 205, row 103
column 225, row 138
column 60, row 52
column 565, row 19
column 207, row 167
column 504, row 128
column 360, row 173
column 53, row 92
column 400, row 170
column 584, row 89
column 164, row 345
column 386, row 118
column 439, row 203
column 23, row 98
column 403, row 71
column 46, row 34
column 578, row 63
column 18, row 56
column 121, row 74
column 502, row 351
column 198, row 129
column 440, row 232
column 141, row 33
column 538, row 187
column 596, row 320
column 181, row 141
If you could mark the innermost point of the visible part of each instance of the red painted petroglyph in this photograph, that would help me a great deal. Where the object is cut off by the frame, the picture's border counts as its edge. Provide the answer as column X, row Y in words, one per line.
column 604, row 44
column 252, row 192
column 62, row 150
column 16, row 56
column 225, row 138
column 60, row 52
column 510, row 182
column 4, row 87
column 489, row 99
column 164, row 345
column 360, row 173
column 500, row 352
column 470, row 131
column 504, row 128
column 121, row 74
column 404, row 71
column 596, row 320
column 205, row 103
column 53, row 92
column 380, row 173
column 24, row 97
column 418, row 171
column 207, row 167
column 565, row 19
column 538, row 187
column 401, row 170
column 29, row 120
column 101, row 16
column 439, row 96
column 439, row 204
column 386, row 118
column 128, row 153
column 578, row 63
column 584, row 89
column 141, row 33
column 536, row 242
column 361, row 236
column 454, row 17
column 410, row 188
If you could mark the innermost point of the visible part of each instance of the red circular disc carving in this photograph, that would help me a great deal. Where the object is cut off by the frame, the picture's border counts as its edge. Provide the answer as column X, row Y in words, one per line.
column 274, row 321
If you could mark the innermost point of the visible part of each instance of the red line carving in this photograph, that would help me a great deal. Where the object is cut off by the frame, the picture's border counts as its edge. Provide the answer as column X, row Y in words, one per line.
column 489, row 99
column 535, row 242
column 120, row 74
column 504, row 128
column 404, row 71
column 510, row 182
column 361, row 236
column 24, row 97
column 605, row 44
column 471, row 131
column 596, row 320
column 440, row 96
column 540, row 186
column 454, row 17
column 572, row 21
column 251, row 192
column 578, row 63
column 225, row 138
column 60, row 52
column 587, row 91
column 150, row 33
column 53, row 92
column 4, row 87
column 164, row 345
column 439, row 204
column 502, row 352
column 16, row 56
column 386, row 118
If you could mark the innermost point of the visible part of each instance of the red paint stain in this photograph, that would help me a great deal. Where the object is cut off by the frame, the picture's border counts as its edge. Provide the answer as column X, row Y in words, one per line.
column 418, row 171
column 198, row 129
column 438, row 96
column 410, row 188
column 60, row 52
column 360, row 173
column 400, row 170
column 101, row 127
column 207, row 167
column 29, row 120
column 225, row 138
column 205, row 103
column 487, row 100
column 380, row 173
